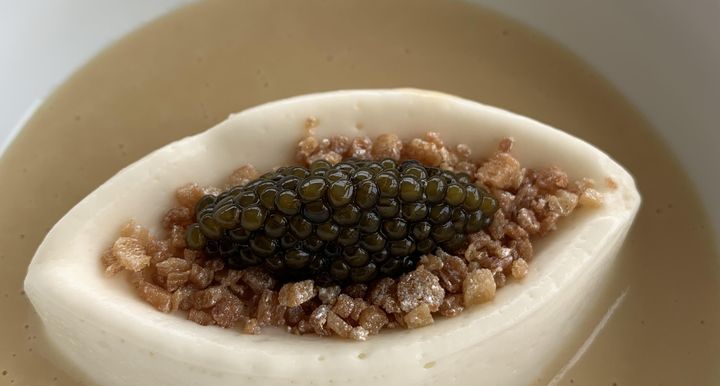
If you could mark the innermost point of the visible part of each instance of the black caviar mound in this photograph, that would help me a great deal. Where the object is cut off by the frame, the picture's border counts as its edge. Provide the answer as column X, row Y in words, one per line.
column 352, row 222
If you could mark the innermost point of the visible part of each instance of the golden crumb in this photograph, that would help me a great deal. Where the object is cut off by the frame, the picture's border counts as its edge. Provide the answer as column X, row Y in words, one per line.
column 419, row 316
column 387, row 146
column 591, row 198
column 242, row 176
column 506, row 144
column 478, row 287
column 519, row 268
column 130, row 253
column 610, row 183
column 295, row 294
column 171, row 277
column 310, row 124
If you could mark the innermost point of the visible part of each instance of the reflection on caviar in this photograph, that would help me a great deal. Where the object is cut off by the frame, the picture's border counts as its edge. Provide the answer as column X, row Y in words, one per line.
column 352, row 222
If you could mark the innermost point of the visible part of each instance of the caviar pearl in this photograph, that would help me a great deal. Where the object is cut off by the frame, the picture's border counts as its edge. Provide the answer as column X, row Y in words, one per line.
column 348, row 223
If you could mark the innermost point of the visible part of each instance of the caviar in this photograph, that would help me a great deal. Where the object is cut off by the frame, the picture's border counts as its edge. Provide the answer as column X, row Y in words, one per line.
column 351, row 222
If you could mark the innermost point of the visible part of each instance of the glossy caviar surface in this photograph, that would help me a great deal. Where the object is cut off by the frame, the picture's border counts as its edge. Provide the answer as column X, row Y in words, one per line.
column 348, row 223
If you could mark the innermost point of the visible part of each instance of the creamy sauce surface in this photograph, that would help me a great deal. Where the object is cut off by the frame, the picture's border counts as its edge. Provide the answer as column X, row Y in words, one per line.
column 659, row 320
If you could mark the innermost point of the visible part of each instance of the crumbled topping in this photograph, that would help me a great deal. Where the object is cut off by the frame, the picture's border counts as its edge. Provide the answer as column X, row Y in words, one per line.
column 452, row 273
column 170, row 277
column 360, row 148
column 306, row 147
column 387, row 146
column 452, row 306
column 227, row 311
column 242, row 176
column 188, row 195
column 519, row 268
column 502, row 171
column 478, row 287
column 130, row 254
column 419, row 287
column 424, row 151
column 337, row 325
column 591, row 198
column 295, row 294
column 343, row 306
column 328, row 295
column 419, row 316
column 201, row 317
column 373, row 319
column 318, row 319
column 359, row 333
column 155, row 295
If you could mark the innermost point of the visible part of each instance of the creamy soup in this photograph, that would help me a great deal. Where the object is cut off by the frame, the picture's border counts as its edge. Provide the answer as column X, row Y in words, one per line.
column 658, row 320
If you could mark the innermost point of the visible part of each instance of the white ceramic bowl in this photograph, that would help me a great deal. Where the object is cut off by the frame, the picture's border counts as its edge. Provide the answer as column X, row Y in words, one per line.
column 103, row 327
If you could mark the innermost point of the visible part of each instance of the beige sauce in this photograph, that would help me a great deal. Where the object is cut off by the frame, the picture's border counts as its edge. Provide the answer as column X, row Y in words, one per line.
column 188, row 71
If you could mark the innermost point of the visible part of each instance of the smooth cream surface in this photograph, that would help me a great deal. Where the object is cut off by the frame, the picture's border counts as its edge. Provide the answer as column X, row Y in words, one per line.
column 105, row 329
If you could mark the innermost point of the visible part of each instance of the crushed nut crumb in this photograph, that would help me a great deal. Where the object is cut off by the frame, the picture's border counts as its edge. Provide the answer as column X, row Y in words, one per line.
column 295, row 294
column 130, row 253
column 519, row 268
column 419, row 316
column 478, row 287
column 170, row 277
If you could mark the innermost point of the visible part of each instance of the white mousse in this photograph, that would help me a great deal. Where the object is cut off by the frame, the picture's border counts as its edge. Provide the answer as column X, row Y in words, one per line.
column 114, row 338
